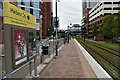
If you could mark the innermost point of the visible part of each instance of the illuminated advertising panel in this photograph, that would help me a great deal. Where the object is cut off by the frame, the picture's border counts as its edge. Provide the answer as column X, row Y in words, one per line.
column 20, row 47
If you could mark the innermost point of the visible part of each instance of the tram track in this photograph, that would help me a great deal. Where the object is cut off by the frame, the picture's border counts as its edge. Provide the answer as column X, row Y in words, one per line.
column 101, row 47
column 107, row 48
column 102, row 56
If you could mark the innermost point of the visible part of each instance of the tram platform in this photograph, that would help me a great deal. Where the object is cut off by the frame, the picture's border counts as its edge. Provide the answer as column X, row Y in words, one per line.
column 74, row 61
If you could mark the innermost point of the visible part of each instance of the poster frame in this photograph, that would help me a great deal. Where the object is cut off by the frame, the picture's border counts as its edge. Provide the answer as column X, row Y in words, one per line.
column 13, row 50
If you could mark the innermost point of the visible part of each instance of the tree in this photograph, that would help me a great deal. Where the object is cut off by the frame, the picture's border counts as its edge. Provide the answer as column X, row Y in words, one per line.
column 94, row 29
column 111, row 26
column 49, row 31
column 107, row 27
column 116, row 27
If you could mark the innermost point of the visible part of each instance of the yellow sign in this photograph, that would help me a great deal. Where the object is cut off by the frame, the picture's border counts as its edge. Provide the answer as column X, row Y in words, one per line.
column 16, row 16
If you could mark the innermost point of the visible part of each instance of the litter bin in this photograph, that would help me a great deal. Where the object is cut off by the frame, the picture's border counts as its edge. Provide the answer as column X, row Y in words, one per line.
column 45, row 50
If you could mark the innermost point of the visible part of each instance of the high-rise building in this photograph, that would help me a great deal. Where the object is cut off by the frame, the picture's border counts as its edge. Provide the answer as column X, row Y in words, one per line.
column 88, row 4
column 87, row 21
column 38, row 8
column 33, row 7
column 1, row 13
column 97, row 13
column 47, row 17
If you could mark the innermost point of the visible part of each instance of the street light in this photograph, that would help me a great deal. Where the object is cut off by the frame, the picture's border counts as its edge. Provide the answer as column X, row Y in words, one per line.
column 69, row 30
column 41, row 27
column 56, row 28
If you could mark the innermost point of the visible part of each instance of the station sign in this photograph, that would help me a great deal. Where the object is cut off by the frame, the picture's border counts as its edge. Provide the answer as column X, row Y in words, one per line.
column 19, row 36
column 16, row 16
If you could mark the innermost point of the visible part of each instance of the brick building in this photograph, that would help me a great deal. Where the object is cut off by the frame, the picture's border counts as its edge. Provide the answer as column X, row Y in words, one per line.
column 87, row 21
column 99, row 11
column 47, row 17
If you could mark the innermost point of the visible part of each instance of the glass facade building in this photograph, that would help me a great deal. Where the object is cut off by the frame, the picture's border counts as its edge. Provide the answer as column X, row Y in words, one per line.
column 1, row 6
column 32, row 7
column 1, row 14
column 88, row 4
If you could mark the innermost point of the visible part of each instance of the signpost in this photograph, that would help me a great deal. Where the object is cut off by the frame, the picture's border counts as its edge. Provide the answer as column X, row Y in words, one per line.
column 19, row 37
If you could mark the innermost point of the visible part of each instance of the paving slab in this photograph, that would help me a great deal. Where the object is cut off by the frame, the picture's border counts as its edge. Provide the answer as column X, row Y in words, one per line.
column 70, row 63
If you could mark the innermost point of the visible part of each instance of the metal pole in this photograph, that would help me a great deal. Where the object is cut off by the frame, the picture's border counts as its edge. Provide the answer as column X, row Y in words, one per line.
column 41, row 34
column 41, row 56
column 56, row 29
column 35, row 64
column 41, row 27
column 35, row 67
column 30, row 68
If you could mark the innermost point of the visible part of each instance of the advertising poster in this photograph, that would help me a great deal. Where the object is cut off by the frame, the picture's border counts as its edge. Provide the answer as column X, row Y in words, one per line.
column 20, row 47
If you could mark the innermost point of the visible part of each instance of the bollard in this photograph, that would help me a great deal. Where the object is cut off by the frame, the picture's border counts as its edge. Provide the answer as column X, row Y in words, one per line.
column 68, row 39
column 37, row 49
column 35, row 68
column 56, row 48
column 48, row 49
column 64, row 40
column 53, row 46
column 41, row 59
column 30, row 68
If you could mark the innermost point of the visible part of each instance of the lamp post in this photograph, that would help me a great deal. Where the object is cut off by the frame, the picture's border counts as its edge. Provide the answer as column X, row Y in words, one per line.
column 41, row 27
column 56, row 29
column 69, row 31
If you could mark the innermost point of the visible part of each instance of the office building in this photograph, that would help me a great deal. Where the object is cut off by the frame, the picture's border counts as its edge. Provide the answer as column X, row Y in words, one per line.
column 42, row 11
column 34, row 8
column 86, row 25
column 1, row 14
column 88, row 4
column 97, row 14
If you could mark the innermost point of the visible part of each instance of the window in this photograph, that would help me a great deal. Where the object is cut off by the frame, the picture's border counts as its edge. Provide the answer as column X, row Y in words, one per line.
column 101, row 4
column 106, row 14
column 107, row 8
column 115, row 13
column 31, row 11
column 116, row 8
column 22, row 2
column 23, row 8
column 116, row 2
column 1, row 5
column 31, row 4
column 107, row 2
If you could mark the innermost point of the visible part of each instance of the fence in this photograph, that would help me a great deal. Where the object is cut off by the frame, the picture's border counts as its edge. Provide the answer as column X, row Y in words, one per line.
column 32, row 65
column 51, row 47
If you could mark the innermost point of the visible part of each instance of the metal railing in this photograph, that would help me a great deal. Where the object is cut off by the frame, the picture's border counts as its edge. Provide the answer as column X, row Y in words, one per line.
column 32, row 64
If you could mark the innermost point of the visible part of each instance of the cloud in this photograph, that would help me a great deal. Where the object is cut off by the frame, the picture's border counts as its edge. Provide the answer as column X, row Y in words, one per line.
column 69, row 12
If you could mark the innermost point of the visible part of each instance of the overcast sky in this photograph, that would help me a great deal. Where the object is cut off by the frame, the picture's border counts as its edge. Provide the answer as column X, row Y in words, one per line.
column 69, row 11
